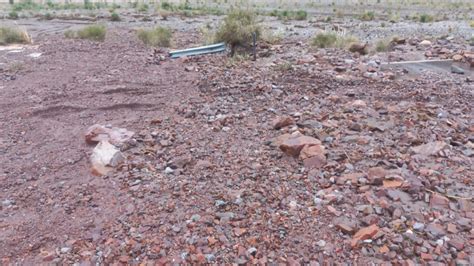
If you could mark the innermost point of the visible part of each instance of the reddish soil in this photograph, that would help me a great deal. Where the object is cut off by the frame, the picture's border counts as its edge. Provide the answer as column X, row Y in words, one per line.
column 233, row 196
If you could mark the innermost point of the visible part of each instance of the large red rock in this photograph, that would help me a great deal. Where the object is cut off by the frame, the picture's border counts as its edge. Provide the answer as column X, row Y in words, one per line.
column 296, row 142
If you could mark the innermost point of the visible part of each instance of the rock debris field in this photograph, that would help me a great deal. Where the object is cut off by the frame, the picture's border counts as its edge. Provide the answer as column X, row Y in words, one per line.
column 113, row 153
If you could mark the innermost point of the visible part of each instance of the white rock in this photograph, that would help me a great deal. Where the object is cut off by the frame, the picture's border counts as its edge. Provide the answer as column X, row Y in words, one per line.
column 425, row 43
column 105, row 157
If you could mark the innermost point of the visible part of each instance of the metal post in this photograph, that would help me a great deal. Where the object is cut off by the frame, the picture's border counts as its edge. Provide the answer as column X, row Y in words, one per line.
column 254, row 37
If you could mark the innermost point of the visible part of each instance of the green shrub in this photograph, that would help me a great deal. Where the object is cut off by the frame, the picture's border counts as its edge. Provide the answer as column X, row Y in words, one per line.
column 48, row 16
column 424, row 18
column 114, row 17
column 167, row 6
column 301, row 15
column 93, row 32
column 26, row 5
column 367, row 16
column 238, row 29
column 13, row 15
column 143, row 8
column 13, row 35
column 158, row 36
column 333, row 40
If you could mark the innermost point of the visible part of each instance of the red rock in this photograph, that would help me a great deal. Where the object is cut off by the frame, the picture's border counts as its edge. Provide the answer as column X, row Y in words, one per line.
column 452, row 228
column 456, row 243
column 426, row 257
column 392, row 183
column 376, row 175
column 384, row 249
column 358, row 104
column 315, row 162
column 311, row 151
column 364, row 233
column 438, row 201
column 333, row 210
column 282, row 122
column 293, row 145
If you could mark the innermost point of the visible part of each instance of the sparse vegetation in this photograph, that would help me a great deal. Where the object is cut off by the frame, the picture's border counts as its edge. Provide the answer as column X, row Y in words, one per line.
column 93, row 32
column 114, row 16
column 13, row 15
column 158, row 36
column 238, row 29
column 271, row 37
column 10, row 35
column 143, row 7
column 472, row 24
column 333, row 40
column 367, row 16
column 383, row 45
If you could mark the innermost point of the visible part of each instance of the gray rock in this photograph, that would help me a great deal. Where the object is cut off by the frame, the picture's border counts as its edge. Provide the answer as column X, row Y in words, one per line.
column 418, row 227
column 457, row 70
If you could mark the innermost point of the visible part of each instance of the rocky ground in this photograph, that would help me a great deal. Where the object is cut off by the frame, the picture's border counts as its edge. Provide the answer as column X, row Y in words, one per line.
column 304, row 156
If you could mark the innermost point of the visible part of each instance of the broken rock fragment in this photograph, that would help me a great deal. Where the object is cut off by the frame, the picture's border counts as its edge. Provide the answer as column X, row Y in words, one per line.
column 296, row 142
column 431, row 148
column 364, row 233
column 114, row 135
column 105, row 157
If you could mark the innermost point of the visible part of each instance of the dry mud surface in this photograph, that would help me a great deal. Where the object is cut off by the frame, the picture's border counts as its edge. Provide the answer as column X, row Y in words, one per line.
column 205, row 181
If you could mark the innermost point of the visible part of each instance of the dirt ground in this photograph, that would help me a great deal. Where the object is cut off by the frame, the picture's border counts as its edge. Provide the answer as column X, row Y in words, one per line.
column 204, row 180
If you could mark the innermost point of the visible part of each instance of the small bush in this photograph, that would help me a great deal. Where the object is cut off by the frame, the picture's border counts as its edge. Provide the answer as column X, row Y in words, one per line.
column 93, row 32
column 158, row 36
column 301, row 15
column 114, row 17
column 13, row 35
column 333, row 40
column 238, row 29
column 143, row 8
column 424, row 18
column 367, row 16
column 272, row 37
column 26, row 5
column 13, row 15
column 48, row 16
column 472, row 24
column 383, row 45
column 167, row 6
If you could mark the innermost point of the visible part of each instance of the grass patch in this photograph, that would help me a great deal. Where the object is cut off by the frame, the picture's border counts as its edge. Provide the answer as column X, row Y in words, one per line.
column 367, row 16
column 114, row 17
column 93, row 32
column 289, row 15
column 158, row 36
column 425, row 18
column 272, row 37
column 10, row 35
column 332, row 40
column 238, row 29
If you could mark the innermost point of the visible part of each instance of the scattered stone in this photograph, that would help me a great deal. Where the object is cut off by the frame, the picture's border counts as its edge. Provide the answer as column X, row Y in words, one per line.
column 438, row 201
column 457, row 70
column 418, row 227
column 321, row 243
column 105, row 157
column 431, row 148
column 425, row 43
column 376, row 175
column 435, row 229
column 358, row 104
